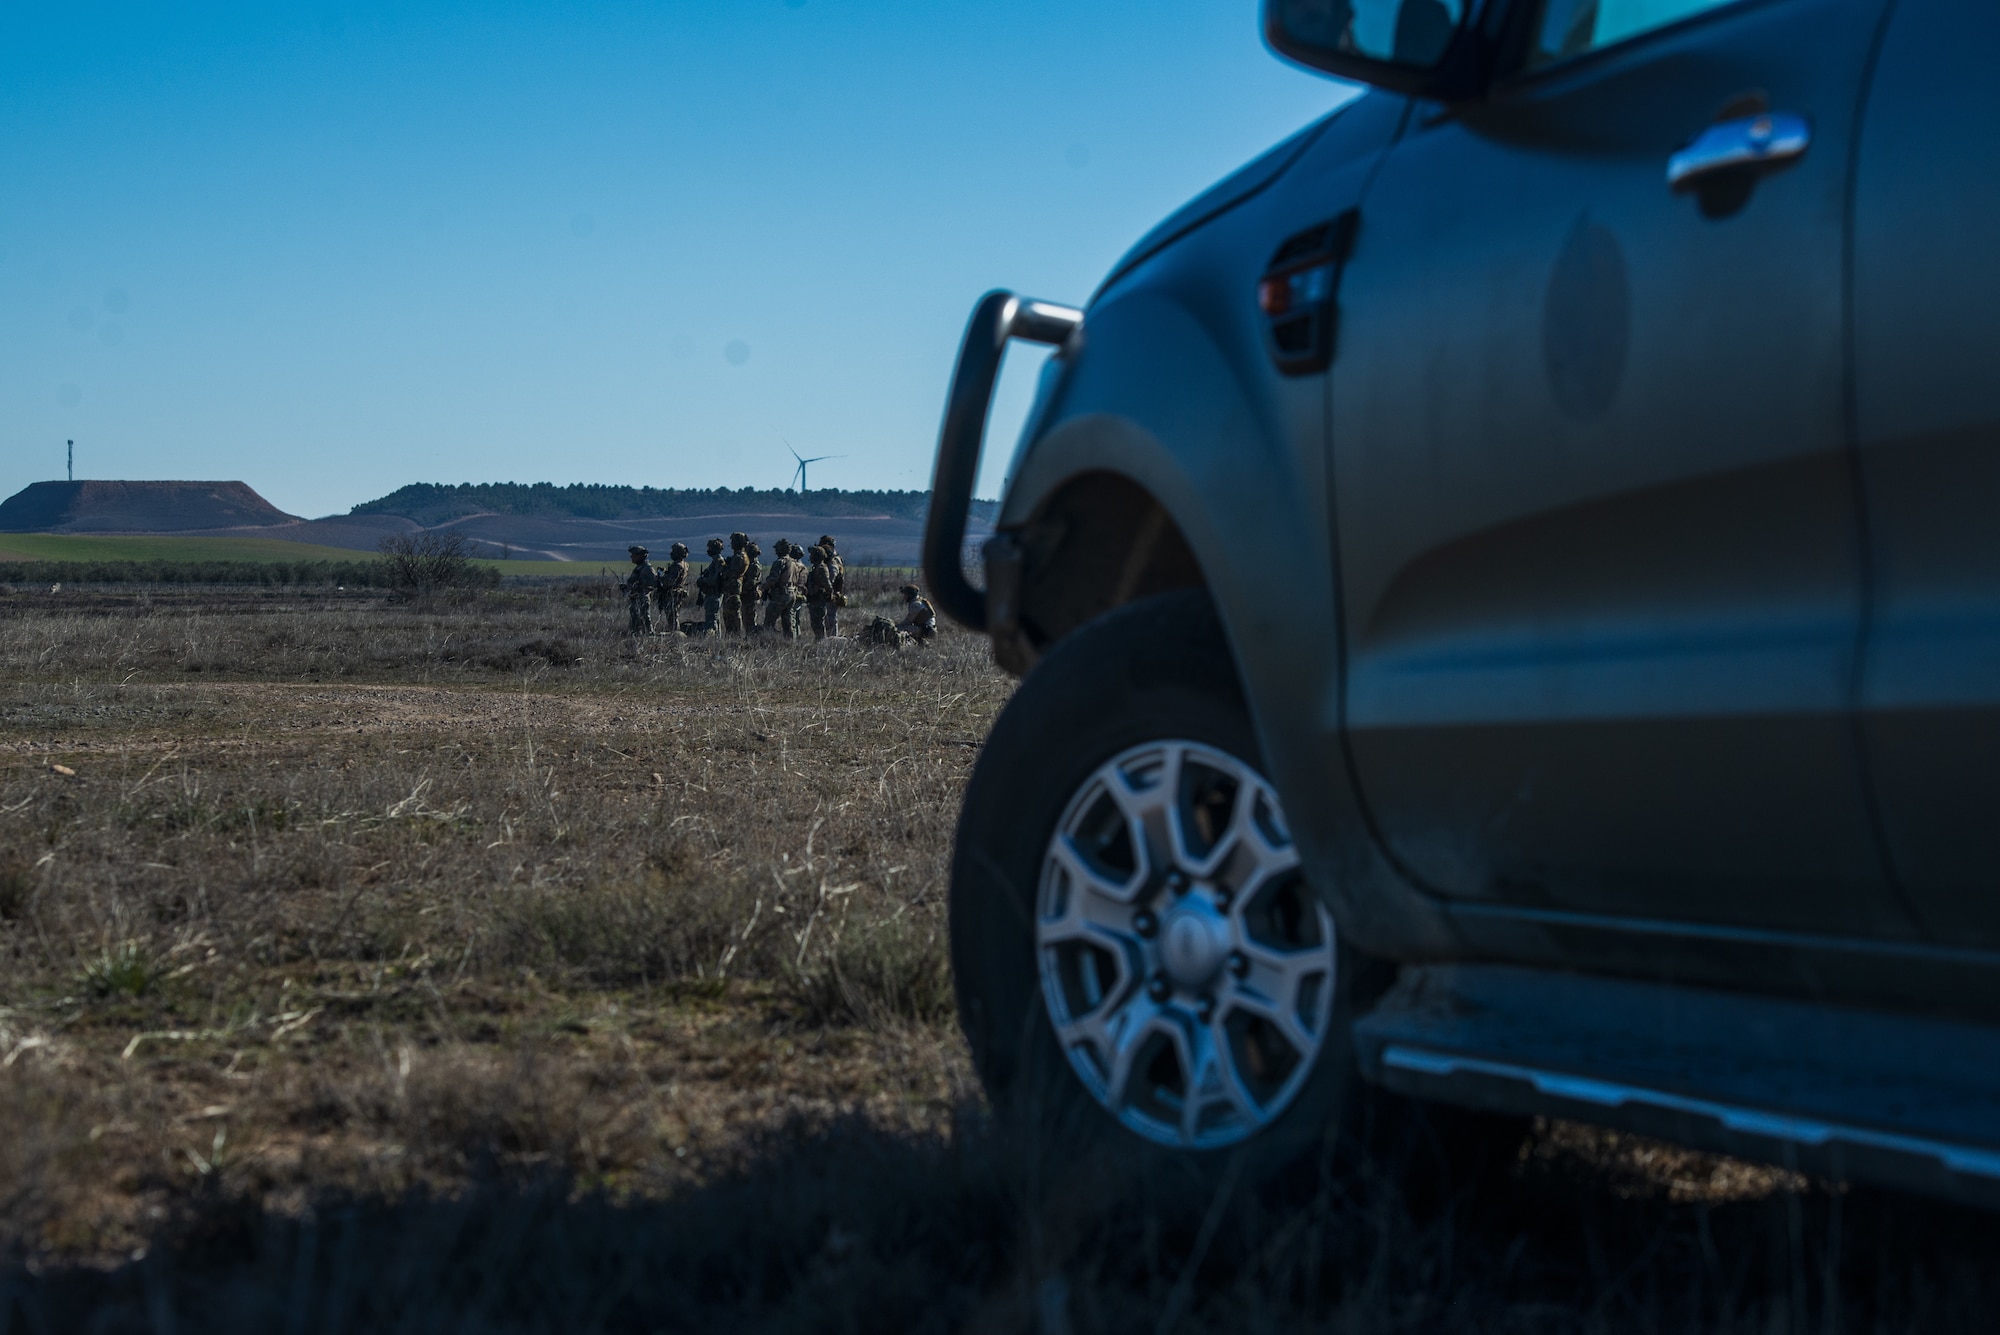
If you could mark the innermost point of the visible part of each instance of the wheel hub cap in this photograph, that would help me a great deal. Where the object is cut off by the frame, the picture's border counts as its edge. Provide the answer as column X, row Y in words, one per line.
column 1186, row 966
column 1194, row 944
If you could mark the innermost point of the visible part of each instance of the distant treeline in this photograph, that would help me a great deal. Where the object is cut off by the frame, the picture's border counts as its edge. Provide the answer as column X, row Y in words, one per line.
column 353, row 574
column 437, row 503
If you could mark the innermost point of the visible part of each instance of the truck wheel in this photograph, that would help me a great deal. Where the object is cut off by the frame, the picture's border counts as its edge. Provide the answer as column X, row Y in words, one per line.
column 1139, row 960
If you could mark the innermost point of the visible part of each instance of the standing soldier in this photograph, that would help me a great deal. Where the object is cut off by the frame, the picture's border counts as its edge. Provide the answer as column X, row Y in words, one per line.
column 638, row 587
column 732, row 584
column 753, row 585
column 836, row 570
column 673, row 590
column 709, row 585
column 778, row 591
column 819, row 592
column 798, row 589
column 919, row 618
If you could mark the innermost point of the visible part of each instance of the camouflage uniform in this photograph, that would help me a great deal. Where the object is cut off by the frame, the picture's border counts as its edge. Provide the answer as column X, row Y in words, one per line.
column 639, row 586
column 919, row 618
column 732, row 585
column 673, row 591
column 837, row 572
column 753, row 584
column 778, row 592
column 798, row 589
column 709, row 585
column 819, row 593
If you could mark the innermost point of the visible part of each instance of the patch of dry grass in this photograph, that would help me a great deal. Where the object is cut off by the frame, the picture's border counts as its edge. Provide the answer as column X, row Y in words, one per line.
column 370, row 966
column 370, row 894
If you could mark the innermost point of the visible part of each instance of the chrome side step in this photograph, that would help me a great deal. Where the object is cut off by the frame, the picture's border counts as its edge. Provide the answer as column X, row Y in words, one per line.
column 1909, row 1101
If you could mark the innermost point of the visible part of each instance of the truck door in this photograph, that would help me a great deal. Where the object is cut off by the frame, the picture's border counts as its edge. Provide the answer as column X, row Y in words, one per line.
column 1597, row 524
column 1927, row 422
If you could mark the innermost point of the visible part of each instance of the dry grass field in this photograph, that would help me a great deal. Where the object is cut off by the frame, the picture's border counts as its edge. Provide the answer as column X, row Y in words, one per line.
column 373, row 966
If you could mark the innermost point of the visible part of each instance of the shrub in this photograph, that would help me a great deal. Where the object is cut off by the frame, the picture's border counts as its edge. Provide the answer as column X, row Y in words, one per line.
column 425, row 564
column 128, row 969
column 894, row 971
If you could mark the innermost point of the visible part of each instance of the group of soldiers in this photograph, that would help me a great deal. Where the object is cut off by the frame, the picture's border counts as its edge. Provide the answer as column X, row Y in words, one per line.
column 809, row 582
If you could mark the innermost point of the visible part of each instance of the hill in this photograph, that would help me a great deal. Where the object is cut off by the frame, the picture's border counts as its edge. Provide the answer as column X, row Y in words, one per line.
column 136, row 507
column 431, row 504
column 507, row 520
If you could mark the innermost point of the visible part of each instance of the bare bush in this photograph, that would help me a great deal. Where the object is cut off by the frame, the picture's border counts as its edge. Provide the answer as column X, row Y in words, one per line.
column 879, row 975
column 432, row 562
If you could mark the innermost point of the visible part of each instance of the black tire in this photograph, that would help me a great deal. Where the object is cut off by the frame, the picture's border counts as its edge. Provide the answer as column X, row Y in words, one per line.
column 1152, row 670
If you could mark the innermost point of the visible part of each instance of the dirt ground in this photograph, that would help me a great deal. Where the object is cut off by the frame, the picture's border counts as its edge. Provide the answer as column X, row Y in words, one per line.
column 368, row 966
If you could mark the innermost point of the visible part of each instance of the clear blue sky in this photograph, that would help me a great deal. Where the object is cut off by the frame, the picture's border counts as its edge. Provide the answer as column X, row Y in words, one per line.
column 329, row 250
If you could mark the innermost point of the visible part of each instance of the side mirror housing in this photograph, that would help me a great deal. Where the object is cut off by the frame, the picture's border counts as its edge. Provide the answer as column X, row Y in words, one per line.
column 1426, row 48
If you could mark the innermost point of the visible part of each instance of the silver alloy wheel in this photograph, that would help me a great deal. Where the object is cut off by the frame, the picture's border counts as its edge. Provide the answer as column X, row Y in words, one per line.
column 1186, row 965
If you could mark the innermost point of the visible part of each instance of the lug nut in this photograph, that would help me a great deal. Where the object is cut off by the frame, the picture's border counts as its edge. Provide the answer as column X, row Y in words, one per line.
column 1177, row 882
column 1223, row 899
column 1239, row 964
column 1158, row 988
column 1204, row 1009
column 1144, row 923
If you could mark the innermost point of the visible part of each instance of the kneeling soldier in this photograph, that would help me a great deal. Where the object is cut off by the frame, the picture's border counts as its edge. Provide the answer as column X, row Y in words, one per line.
column 919, row 619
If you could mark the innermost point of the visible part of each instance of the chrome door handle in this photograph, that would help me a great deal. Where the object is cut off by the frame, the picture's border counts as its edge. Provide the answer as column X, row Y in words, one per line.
column 1747, row 141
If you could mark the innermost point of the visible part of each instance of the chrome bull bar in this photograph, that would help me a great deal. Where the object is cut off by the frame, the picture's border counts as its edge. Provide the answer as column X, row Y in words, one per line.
column 998, row 318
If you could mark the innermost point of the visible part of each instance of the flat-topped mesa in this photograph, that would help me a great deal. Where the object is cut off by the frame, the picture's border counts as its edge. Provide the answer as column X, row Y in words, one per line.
column 136, row 507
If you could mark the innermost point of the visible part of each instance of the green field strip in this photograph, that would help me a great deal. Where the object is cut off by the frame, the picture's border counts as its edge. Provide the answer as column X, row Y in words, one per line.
column 140, row 547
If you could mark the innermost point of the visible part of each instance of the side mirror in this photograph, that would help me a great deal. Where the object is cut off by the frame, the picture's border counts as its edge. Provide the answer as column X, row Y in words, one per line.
column 1423, row 47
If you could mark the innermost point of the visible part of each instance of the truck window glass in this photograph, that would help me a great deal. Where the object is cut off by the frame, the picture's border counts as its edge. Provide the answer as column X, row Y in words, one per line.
column 1571, row 27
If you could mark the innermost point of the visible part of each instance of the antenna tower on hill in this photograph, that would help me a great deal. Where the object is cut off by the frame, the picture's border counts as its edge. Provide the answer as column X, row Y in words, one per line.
column 72, row 461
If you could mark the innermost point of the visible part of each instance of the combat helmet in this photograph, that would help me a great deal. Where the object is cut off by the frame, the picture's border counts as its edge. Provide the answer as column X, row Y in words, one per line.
column 637, row 553
column 817, row 554
column 826, row 541
column 715, row 546
column 738, row 541
column 910, row 591
column 678, row 551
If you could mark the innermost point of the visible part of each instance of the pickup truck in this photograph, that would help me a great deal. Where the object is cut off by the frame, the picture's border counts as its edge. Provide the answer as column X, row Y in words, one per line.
column 1506, row 591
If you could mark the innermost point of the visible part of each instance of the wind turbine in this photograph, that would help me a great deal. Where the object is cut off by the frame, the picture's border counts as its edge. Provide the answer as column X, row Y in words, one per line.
column 800, row 475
